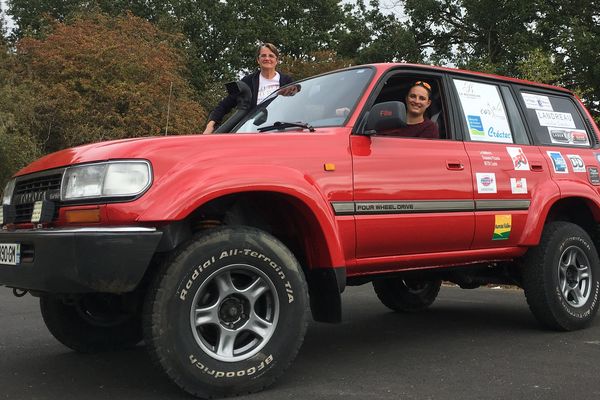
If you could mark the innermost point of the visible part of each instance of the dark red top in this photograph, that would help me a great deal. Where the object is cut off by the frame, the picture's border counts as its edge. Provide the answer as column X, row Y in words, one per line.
column 426, row 129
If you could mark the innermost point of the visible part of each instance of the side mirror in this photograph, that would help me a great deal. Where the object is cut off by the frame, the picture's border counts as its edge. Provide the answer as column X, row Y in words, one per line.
column 385, row 116
column 243, row 96
column 242, row 93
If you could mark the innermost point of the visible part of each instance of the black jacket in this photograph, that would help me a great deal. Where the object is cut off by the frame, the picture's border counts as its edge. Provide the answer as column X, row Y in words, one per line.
column 229, row 102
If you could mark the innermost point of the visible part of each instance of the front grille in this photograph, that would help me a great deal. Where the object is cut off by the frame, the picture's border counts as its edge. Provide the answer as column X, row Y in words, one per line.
column 36, row 187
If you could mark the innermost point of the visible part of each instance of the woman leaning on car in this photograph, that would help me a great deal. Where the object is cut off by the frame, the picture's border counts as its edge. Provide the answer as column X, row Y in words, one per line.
column 262, row 83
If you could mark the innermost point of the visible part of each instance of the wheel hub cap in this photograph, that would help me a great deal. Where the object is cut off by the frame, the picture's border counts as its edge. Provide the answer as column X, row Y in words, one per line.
column 232, row 313
column 574, row 277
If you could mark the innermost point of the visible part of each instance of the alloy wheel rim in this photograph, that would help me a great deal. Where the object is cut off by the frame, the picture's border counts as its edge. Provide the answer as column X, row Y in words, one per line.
column 574, row 277
column 234, row 313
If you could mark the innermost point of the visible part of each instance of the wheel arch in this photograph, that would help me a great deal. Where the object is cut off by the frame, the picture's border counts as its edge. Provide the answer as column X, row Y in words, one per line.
column 294, row 222
column 565, row 200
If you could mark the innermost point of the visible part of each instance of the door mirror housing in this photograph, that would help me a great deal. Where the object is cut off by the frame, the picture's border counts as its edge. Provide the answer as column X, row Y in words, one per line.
column 243, row 96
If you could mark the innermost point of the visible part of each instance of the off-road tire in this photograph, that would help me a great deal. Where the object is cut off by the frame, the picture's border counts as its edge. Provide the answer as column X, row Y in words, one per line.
column 227, row 312
column 403, row 295
column 561, row 278
column 91, row 324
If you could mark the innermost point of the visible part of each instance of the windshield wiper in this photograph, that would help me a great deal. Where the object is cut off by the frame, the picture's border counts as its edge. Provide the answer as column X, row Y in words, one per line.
column 279, row 125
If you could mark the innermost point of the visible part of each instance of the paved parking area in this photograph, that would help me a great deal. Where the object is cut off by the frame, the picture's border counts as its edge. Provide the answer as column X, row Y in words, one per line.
column 472, row 344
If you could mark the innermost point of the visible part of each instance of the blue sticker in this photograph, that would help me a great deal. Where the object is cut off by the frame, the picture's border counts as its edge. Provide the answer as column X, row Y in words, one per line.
column 475, row 125
column 560, row 166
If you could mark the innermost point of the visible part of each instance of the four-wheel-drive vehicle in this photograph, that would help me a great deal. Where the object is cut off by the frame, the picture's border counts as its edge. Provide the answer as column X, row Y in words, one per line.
column 212, row 248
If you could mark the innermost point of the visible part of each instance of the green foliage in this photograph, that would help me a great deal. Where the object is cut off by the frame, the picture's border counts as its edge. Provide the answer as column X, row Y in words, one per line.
column 370, row 36
column 101, row 78
column 475, row 34
column 550, row 41
column 572, row 33
column 17, row 145
column 315, row 63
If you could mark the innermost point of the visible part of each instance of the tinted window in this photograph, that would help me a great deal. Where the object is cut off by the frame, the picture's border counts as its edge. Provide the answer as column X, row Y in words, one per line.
column 554, row 120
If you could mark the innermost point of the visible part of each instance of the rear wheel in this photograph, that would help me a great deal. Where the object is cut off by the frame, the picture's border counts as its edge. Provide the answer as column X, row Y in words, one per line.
column 406, row 295
column 561, row 278
column 92, row 323
column 227, row 313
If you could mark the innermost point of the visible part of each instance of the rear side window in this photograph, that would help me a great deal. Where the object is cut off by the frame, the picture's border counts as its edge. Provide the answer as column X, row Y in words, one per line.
column 484, row 112
column 554, row 120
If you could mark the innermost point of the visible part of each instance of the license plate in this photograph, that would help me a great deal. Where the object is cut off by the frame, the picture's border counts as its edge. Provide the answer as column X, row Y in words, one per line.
column 10, row 253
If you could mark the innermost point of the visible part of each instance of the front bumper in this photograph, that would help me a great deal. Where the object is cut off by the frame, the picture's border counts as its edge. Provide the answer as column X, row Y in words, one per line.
column 81, row 260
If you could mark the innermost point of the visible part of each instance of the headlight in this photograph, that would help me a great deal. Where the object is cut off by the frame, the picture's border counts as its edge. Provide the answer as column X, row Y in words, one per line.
column 111, row 179
column 8, row 192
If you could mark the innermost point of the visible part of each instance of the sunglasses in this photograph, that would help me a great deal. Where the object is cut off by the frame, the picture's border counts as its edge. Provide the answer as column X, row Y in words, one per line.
column 423, row 84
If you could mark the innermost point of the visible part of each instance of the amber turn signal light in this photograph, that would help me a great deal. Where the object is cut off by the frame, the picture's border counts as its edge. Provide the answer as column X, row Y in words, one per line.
column 78, row 216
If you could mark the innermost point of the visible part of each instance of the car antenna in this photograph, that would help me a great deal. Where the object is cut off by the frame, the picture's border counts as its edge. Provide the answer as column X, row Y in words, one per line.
column 168, row 109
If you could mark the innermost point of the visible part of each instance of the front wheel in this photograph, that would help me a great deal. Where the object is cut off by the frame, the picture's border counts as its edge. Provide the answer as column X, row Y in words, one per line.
column 561, row 278
column 228, row 312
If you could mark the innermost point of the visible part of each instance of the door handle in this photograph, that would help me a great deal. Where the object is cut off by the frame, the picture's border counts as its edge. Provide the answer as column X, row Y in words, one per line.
column 537, row 167
column 454, row 165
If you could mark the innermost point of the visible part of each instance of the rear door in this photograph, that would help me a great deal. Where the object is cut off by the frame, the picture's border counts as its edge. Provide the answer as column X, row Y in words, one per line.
column 506, row 169
column 565, row 138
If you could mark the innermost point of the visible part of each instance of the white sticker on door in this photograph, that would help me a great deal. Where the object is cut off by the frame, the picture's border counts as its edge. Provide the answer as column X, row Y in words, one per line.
column 486, row 182
column 576, row 162
column 518, row 186
column 519, row 160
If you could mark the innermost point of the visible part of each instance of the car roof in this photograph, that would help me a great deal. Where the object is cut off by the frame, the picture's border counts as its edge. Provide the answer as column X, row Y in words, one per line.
column 389, row 66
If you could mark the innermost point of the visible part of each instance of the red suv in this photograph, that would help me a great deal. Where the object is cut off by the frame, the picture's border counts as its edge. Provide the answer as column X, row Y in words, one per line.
column 212, row 248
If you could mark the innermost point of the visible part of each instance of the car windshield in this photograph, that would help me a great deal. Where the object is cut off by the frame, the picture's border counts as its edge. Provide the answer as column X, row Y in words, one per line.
column 325, row 100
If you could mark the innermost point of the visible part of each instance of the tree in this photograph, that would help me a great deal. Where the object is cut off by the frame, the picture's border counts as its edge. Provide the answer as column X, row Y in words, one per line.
column 368, row 35
column 476, row 34
column 105, row 78
column 34, row 17
column 572, row 33
column 17, row 145
column 316, row 63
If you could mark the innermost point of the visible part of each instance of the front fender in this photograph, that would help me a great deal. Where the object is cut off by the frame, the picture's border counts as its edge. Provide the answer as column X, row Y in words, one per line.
column 185, row 191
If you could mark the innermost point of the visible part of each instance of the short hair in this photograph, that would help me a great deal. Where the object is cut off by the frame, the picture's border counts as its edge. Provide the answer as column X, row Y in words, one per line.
column 269, row 46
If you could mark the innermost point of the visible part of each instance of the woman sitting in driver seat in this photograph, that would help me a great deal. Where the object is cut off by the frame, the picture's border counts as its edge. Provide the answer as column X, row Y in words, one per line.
column 417, row 102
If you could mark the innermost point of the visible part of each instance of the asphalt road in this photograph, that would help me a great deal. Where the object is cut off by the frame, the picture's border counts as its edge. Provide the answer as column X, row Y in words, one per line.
column 472, row 344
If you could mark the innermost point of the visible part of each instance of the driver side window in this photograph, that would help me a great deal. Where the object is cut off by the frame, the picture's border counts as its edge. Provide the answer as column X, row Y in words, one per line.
column 422, row 99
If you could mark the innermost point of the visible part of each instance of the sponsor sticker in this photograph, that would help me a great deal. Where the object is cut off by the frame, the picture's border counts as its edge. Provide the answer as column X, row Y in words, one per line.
column 475, row 125
column 489, row 159
column 554, row 118
column 502, row 227
column 486, row 182
column 519, row 160
column 576, row 137
column 560, row 166
column 483, row 110
column 593, row 175
column 537, row 102
column 576, row 162
column 518, row 186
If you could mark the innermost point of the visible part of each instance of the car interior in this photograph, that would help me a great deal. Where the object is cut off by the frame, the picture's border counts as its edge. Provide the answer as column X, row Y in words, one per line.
column 396, row 89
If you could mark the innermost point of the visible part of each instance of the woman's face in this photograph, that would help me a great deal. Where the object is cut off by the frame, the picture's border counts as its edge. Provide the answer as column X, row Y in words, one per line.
column 417, row 101
column 266, row 58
